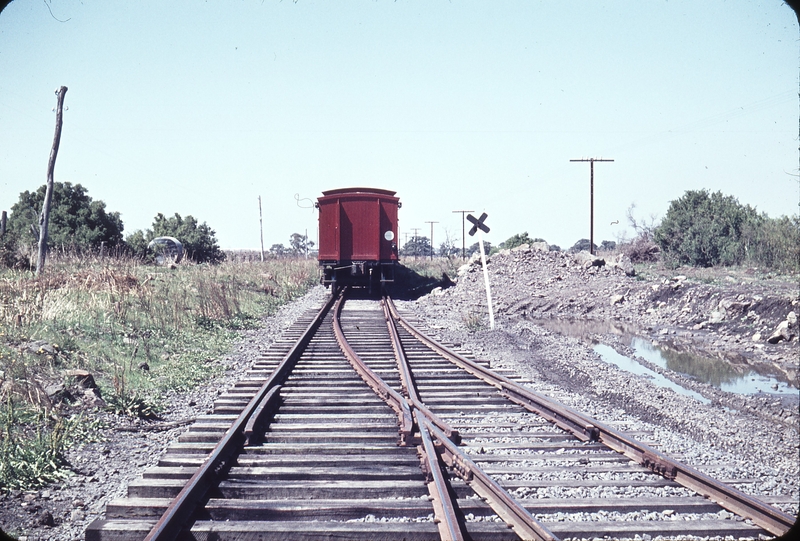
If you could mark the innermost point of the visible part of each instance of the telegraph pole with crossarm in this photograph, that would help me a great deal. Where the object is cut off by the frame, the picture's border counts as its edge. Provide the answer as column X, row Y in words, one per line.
column 591, row 197
column 427, row 222
column 463, row 229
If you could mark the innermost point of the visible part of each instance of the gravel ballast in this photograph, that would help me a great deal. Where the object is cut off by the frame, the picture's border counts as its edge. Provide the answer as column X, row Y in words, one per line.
column 733, row 436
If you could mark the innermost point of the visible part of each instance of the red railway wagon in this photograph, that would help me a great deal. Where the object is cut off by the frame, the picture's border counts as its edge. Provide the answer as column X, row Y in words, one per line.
column 357, row 236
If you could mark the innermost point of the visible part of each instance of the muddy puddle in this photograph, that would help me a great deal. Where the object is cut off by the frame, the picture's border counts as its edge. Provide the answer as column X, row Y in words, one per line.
column 731, row 375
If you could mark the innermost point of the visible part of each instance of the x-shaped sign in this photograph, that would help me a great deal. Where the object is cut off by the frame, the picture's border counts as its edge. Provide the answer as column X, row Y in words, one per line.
column 478, row 223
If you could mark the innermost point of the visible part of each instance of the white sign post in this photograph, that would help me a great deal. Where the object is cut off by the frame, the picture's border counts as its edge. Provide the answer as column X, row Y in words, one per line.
column 486, row 280
column 480, row 227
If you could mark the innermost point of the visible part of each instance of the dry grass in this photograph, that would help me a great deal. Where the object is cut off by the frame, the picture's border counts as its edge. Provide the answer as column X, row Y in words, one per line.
column 113, row 316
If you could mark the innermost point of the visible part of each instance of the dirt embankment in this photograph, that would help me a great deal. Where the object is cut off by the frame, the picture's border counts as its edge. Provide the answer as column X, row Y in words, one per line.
column 723, row 317
column 723, row 312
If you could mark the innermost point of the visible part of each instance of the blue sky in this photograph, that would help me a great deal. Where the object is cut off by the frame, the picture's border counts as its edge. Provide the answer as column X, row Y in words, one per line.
column 200, row 107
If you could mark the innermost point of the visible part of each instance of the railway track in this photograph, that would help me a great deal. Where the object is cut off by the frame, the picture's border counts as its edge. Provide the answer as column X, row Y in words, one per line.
column 355, row 425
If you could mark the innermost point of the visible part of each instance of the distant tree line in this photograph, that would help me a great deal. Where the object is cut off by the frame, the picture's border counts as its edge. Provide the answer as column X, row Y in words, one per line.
column 299, row 245
column 700, row 229
column 80, row 224
column 703, row 229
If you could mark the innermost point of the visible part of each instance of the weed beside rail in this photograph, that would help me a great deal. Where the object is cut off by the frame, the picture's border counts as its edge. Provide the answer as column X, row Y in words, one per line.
column 139, row 330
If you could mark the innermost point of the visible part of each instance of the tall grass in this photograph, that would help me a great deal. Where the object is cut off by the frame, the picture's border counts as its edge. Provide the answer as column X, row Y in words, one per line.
column 774, row 243
column 434, row 268
column 139, row 330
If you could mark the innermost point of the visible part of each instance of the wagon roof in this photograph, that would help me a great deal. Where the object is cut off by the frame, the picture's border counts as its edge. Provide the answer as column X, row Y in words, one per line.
column 358, row 190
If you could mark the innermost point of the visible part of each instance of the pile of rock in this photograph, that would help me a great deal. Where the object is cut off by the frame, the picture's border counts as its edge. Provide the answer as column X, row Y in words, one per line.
column 76, row 386
column 724, row 315
column 786, row 329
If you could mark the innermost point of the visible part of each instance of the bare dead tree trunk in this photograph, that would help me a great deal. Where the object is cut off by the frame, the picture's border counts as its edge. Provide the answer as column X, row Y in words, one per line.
column 44, row 219
column 261, row 225
column 3, row 219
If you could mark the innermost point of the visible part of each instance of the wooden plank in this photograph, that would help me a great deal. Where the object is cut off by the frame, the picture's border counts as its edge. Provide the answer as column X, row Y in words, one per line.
column 385, row 417
column 324, row 427
column 190, row 448
column 338, row 531
column 656, row 481
column 715, row 528
column 278, row 531
column 465, row 403
column 366, row 449
column 534, row 458
column 407, row 459
column 576, row 469
column 136, row 508
column 342, row 509
column 468, row 432
column 118, row 530
column 318, row 473
column 323, row 489
column 198, row 436
column 155, row 488
column 356, row 394
column 537, row 445
column 296, row 472
column 332, row 407
column 181, row 460
column 687, row 504
column 320, row 437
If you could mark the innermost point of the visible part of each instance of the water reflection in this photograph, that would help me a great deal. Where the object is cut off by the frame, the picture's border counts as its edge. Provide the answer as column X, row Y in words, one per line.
column 610, row 355
column 728, row 376
column 725, row 374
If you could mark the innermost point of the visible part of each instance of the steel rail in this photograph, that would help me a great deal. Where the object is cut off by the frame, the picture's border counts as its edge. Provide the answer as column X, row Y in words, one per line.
column 506, row 507
column 450, row 527
column 395, row 400
column 585, row 428
column 375, row 382
column 445, row 515
column 195, row 490
column 428, row 423
column 407, row 381
column 257, row 421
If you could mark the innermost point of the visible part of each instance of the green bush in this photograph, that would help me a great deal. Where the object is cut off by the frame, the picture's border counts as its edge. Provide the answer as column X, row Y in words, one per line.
column 9, row 255
column 199, row 240
column 476, row 248
column 76, row 221
column 774, row 243
column 703, row 230
column 418, row 246
column 517, row 240
column 33, row 444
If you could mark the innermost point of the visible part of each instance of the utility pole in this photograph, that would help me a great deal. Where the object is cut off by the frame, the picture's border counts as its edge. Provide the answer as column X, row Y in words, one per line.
column 3, row 219
column 591, row 197
column 261, row 225
column 44, row 219
column 414, row 240
column 463, row 239
column 431, row 236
